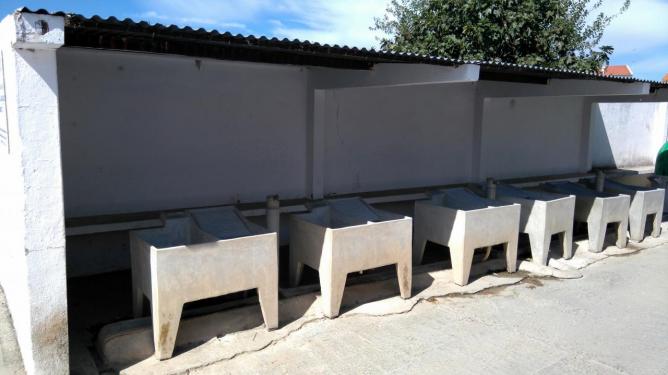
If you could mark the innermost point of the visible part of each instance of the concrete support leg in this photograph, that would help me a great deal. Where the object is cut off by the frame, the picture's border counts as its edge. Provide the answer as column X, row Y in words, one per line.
column 137, row 302
column 622, row 228
column 656, row 229
column 32, row 228
column 274, row 214
column 332, row 284
column 566, row 239
column 268, row 296
column 540, row 247
column 596, row 233
column 296, row 270
column 166, row 319
column 637, row 227
column 510, row 248
column 405, row 278
column 419, row 244
column 462, row 259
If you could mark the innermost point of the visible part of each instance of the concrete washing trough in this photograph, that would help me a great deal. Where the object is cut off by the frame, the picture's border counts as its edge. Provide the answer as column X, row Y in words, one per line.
column 644, row 181
column 203, row 254
column 348, row 235
column 542, row 215
column 597, row 209
column 464, row 221
column 644, row 202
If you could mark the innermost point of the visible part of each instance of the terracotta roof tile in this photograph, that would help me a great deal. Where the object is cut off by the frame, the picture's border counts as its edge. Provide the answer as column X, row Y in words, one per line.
column 618, row 70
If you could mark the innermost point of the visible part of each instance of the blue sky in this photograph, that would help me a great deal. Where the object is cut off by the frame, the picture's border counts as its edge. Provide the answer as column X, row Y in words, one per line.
column 640, row 36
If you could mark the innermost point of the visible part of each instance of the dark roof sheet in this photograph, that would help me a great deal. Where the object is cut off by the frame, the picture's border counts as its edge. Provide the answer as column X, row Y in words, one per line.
column 112, row 33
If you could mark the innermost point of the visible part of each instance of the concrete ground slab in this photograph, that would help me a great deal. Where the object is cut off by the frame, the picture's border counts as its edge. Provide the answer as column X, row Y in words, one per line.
column 230, row 333
column 238, row 333
column 614, row 320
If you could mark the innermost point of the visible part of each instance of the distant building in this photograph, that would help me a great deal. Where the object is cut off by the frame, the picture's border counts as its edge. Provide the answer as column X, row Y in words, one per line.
column 665, row 78
column 618, row 70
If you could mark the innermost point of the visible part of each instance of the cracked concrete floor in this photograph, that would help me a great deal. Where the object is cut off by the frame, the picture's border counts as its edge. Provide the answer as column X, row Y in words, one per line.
column 613, row 320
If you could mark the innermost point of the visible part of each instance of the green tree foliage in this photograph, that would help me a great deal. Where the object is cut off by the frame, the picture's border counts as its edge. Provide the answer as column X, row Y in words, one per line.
column 549, row 33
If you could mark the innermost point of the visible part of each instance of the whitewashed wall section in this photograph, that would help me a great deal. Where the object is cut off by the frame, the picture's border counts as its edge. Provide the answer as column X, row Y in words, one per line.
column 4, row 129
column 627, row 134
column 385, row 138
column 533, row 136
column 147, row 132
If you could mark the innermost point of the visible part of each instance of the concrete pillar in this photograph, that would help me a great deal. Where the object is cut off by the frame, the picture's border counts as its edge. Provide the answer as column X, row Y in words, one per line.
column 32, row 230
column 273, row 214
column 600, row 180
column 317, row 144
column 477, row 169
column 491, row 188
column 490, row 193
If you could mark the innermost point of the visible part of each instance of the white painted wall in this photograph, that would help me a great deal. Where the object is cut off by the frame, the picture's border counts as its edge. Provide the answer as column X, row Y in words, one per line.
column 32, row 230
column 145, row 132
column 524, row 137
column 627, row 134
column 397, row 137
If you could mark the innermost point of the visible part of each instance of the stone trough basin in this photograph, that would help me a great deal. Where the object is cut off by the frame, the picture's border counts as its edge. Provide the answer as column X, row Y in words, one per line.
column 348, row 235
column 542, row 215
column 597, row 209
column 644, row 202
column 464, row 221
column 203, row 254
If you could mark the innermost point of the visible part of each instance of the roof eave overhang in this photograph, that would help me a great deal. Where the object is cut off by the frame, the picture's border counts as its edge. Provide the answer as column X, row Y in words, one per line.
column 127, row 35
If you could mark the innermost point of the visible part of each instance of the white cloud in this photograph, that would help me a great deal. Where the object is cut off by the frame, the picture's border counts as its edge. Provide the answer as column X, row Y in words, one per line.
column 642, row 27
column 324, row 21
column 239, row 11
column 334, row 21
column 210, row 23
column 637, row 35
column 652, row 66
column 653, row 63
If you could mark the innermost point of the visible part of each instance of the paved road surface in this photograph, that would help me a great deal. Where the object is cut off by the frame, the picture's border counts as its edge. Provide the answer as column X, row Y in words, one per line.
column 612, row 321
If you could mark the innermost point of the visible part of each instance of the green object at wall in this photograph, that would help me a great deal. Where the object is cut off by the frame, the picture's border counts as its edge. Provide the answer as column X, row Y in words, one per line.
column 661, row 166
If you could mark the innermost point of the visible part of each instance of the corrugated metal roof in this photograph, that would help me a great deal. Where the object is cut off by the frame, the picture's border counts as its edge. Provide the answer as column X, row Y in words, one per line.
column 127, row 34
